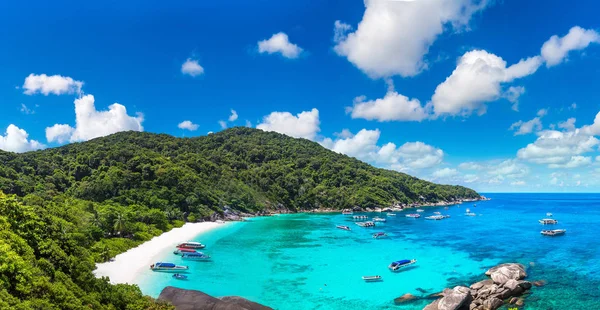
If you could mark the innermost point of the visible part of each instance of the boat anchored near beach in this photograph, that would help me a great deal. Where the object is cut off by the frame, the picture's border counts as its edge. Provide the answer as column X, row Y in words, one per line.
column 379, row 219
column 397, row 265
column 366, row 224
column 371, row 278
column 548, row 221
column 182, row 251
column 360, row 217
column 379, row 235
column 413, row 215
column 195, row 256
column 191, row 245
column 391, row 214
column 347, row 212
column 168, row 267
column 420, row 210
column 435, row 217
column 343, row 227
column 554, row 232
column 179, row 276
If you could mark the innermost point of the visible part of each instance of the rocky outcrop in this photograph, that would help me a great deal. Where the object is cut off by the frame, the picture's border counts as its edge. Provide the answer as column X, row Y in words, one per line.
column 196, row 300
column 404, row 299
column 506, row 284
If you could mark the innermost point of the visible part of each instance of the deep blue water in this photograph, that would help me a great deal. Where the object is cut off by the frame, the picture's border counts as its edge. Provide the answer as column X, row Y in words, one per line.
column 302, row 261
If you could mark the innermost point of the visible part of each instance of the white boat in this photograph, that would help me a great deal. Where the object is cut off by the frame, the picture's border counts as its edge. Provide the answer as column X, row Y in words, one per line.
column 548, row 221
column 435, row 217
column 347, row 212
column 470, row 214
column 420, row 210
column 195, row 256
column 549, row 214
column 395, row 266
column 181, row 251
column 413, row 215
column 360, row 217
column 191, row 245
column 379, row 219
column 343, row 227
column 554, row 232
column 366, row 224
column 167, row 267
column 391, row 214
column 371, row 278
column 437, row 213
column 468, row 210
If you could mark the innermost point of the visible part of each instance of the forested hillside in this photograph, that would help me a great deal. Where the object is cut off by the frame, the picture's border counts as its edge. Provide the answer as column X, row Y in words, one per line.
column 65, row 208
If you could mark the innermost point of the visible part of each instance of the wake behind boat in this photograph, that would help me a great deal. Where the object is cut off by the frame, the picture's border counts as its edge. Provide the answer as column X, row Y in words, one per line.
column 168, row 267
column 343, row 227
column 397, row 265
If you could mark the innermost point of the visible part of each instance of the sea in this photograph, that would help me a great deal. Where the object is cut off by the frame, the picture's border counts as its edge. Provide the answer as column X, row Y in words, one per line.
column 302, row 261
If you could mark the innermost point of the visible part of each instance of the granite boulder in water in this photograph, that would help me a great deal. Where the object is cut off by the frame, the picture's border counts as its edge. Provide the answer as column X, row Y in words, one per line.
column 195, row 300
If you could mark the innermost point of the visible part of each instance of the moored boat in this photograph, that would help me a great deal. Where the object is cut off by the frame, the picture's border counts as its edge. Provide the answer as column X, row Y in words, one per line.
column 360, row 217
column 549, row 214
column 343, row 227
column 191, row 245
column 391, row 214
column 379, row 219
column 470, row 214
column 554, row 232
column 397, row 265
column 366, row 224
column 347, row 212
column 371, row 278
column 435, row 217
column 420, row 210
column 413, row 215
column 548, row 221
column 379, row 235
column 179, row 276
column 437, row 213
column 195, row 256
column 167, row 267
column 182, row 250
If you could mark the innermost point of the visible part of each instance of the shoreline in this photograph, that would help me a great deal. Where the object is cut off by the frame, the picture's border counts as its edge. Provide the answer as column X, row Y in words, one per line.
column 127, row 266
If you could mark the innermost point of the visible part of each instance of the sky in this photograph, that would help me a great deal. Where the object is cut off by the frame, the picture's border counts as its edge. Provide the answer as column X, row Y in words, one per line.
column 498, row 96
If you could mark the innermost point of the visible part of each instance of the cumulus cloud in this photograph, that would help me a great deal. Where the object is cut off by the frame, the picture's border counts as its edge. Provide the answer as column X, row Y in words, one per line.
column 556, row 49
column 568, row 125
column 55, row 84
column 191, row 67
column 470, row 166
column 535, row 124
column 91, row 123
column 574, row 162
column 392, row 107
column 393, row 36
column 510, row 168
column 223, row 124
column 279, row 43
column 518, row 183
column 16, row 140
column 364, row 146
column 478, row 79
column 233, row 116
column 557, row 147
column 593, row 129
column 444, row 173
column 302, row 125
column 188, row 125
column 513, row 94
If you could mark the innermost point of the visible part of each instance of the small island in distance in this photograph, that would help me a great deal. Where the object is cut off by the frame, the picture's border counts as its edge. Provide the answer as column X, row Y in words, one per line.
column 64, row 209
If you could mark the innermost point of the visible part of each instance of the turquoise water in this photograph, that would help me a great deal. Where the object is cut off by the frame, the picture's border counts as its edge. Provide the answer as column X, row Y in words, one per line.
column 302, row 261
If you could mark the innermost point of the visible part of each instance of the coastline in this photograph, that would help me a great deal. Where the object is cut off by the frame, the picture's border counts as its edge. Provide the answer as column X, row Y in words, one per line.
column 125, row 267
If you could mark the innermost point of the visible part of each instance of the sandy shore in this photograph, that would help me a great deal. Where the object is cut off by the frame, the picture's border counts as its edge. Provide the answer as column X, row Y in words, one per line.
column 126, row 266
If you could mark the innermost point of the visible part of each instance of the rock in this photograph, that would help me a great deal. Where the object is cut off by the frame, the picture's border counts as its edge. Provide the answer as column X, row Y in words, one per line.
column 480, row 284
column 404, row 298
column 525, row 285
column 513, row 300
column 487, row 291
column 511, row 284
column 540, row 283
column 502, row 273
column 433, row 306
column 196, row 300
column 434, row 295
column 455, row 298
column 520, row 302
column 492, row 303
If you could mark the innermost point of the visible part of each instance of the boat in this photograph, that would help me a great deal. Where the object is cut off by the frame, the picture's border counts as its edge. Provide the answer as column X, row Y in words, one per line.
column 180, row 276
column 420, row 210
column 167, row 267
column 191, row 245
column 435, row 217
column 371, row 278
column 548, row 221
column 549, row 214
column 343, row 227
column 360, row 217
column 182, row 250
column 347, row 212
column 446, row 208
column 554, row 232
column 195, row 256
column 391, row 214
column 468, row 210
column 395, row 266
column 379, row 219
column 413, row 215
column 366, row 224
column 437, row 213
column 470, row 214
column 379, row 235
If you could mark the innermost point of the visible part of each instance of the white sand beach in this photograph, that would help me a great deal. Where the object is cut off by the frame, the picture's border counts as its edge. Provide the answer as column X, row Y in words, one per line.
column 126, row 266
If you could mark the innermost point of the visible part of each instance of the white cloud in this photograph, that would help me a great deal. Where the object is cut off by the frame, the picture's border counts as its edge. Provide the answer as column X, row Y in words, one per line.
column 15, row 140
column 556, row 49
column 568, row 125
column 223, row 124
column 513, row 94
column 91, row 123
column 233, row 116
column 303, row 125
column 191, row 67
column 518, row 183
column 394, row 36
column 478, row 79
column 26, row 110
column 279, row 43
column 188, row 125
column 392, row 107
column 557, row 147
column 509, row 168
column 574, row 162
column 470, row 166
column 248, row 123
column 363, row 145
column 55, row 84
column 444, row 173
column 530, row 126
column 470, row 178
column 60, row 133
column 593, row 129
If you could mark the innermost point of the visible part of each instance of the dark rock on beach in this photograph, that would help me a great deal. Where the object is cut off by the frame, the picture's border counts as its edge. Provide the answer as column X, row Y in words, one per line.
column 404, row 299
column 506, row 284
column 195, row 300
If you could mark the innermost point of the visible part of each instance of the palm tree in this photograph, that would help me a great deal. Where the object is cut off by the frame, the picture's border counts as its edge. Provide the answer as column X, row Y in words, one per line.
column 119, row 223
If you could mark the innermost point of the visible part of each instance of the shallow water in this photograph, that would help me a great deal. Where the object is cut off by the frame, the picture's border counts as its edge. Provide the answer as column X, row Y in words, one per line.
column 302, row 261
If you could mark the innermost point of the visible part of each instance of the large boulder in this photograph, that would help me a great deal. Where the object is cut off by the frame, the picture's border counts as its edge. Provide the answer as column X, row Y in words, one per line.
column 455, row 298
column 504, row 272
column 480, row 284
column 196, row 300
column 405, row 298
column 492, row 303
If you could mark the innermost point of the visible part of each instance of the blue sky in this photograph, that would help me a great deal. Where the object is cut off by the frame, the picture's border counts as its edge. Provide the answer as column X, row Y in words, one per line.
column 430, row 88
